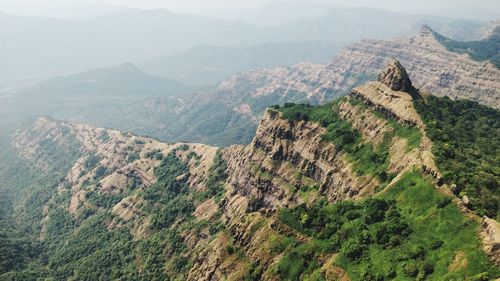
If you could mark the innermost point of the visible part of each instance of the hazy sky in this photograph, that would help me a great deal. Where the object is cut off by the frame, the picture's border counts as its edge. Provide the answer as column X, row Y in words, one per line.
column 77, row 8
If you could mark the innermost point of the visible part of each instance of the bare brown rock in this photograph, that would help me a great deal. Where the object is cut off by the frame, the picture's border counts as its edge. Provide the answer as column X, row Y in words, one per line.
column 490, row 233
column 431, row 66
column 395, row 77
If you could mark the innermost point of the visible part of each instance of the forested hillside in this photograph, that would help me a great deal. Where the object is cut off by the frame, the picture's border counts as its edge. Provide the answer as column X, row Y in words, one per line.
column 366, row 187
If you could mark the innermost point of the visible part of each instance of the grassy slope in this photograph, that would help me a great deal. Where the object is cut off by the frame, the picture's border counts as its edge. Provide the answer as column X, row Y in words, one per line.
column 428, row 252
column 367, row 159
column 403, row 234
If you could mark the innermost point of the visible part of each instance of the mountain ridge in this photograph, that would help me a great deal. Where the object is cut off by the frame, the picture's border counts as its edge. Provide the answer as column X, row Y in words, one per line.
column 263, row 209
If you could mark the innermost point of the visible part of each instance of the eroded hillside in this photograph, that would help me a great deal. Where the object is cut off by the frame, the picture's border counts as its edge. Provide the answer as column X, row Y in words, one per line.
column 432, row 66
column 349, row 190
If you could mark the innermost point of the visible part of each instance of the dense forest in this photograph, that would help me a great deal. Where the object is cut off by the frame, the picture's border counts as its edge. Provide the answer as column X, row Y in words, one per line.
column 84, row 248
column 466, row 137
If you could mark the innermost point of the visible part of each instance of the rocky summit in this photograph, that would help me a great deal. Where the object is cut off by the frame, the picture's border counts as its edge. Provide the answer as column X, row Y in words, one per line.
column 395, row 77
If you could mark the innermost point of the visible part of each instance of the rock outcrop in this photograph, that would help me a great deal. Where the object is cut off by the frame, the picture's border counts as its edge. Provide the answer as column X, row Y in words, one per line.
column 106, row 162
column 395, row 77
column 490, row 233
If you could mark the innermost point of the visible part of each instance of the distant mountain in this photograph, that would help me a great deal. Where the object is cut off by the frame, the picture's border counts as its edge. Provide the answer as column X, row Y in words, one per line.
column 280, row 12
column 121, row 80
column 113, row 96
column 64, row 46
column 347, row 25
column 245, row 96
column 67, row 46
column 229, row 113
column 204, row 65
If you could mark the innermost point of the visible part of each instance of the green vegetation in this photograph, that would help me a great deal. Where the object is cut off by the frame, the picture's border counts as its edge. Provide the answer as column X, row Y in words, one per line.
column 403, row 234
column 368, row 160
column 92, row 252
column 345, row 227
column 85, row 247
column 168, row 196
column 482, row 50
column 154, row 154
column 412, row 134
column 91, row 162
column 103, row 200
column 16, row 248
column 466, row 139
column 216, row 180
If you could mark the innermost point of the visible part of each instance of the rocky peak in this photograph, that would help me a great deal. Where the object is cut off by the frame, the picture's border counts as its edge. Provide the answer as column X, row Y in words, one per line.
column 395, row 77
column 425, row 30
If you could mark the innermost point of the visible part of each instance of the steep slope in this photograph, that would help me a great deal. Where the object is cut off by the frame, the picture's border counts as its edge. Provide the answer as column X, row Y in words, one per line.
column 345, row 190
column 372, row 142
column 432, row 66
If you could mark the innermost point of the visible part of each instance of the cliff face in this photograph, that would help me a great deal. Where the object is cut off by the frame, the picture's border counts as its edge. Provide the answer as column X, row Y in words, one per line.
column 230, row 230
column 289, row 163
column 287, row 155
column 432, row 67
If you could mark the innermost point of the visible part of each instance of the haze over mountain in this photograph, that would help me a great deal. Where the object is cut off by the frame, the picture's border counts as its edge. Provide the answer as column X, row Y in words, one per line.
column 228, row 113
column 209, row 65
column 255, row 10
column 67, row 46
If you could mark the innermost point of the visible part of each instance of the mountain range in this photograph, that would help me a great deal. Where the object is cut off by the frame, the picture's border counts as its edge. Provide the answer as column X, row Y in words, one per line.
column 365, row 187
column 69, row 46
column 229, row 113
column 210, row 65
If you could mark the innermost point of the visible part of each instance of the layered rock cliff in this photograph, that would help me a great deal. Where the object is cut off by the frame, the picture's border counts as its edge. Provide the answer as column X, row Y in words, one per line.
column 432, row 67
column 218, row 215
